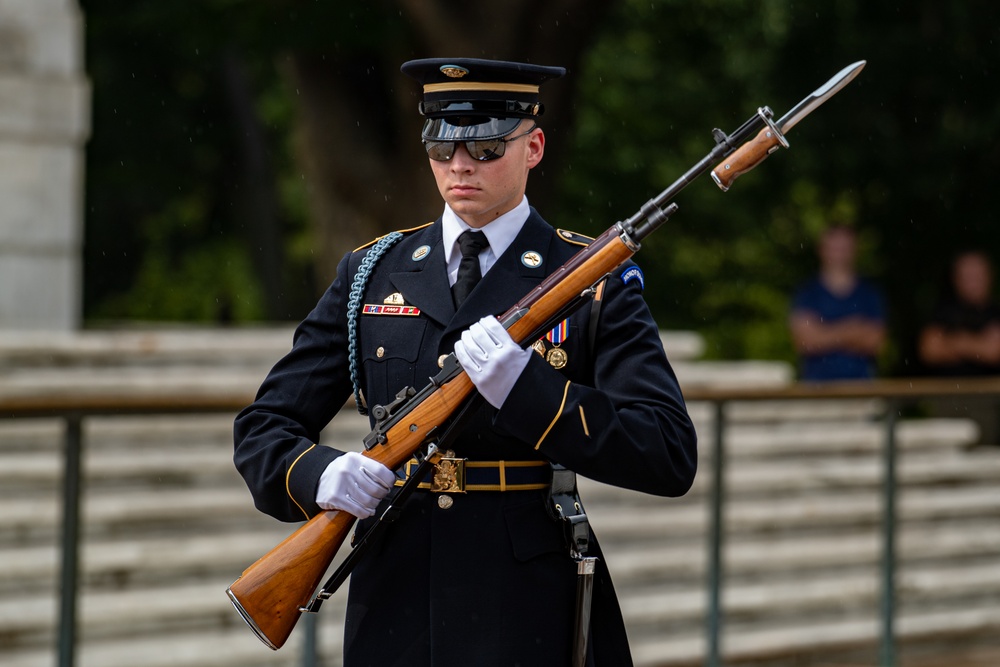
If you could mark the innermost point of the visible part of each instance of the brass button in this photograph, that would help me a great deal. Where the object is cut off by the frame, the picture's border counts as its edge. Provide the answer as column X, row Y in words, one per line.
column 445, row 501
column 441, row 360
column 380, row 352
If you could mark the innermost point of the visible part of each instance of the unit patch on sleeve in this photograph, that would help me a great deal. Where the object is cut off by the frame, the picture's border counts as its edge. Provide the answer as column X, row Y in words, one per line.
column 634, row 273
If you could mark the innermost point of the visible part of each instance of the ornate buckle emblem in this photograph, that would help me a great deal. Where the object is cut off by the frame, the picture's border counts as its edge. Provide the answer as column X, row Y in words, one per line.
column 449, row 474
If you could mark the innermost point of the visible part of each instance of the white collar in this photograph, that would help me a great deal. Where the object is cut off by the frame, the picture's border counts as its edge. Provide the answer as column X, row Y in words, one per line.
column 500, row 232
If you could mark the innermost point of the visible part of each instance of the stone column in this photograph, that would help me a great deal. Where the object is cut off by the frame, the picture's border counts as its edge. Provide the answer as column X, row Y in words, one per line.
column 44, row 123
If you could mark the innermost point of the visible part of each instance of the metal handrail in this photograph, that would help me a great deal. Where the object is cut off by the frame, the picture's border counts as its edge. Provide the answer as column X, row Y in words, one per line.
column 895, row 392
column 73, row 406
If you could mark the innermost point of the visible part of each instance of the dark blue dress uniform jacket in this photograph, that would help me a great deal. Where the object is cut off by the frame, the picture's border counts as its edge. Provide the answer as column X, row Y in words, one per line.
column 488, row 581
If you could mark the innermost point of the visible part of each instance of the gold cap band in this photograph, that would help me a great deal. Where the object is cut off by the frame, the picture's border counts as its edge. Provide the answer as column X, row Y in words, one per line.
column 479, row 86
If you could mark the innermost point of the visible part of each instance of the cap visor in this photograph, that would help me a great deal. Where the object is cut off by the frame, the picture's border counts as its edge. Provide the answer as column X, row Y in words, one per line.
column 466, row 128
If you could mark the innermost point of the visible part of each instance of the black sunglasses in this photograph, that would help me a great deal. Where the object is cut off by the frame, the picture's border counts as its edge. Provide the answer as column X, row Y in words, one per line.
column 479, row 149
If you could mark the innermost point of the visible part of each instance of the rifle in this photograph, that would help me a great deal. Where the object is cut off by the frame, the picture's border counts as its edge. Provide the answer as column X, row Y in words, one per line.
column 272, row 593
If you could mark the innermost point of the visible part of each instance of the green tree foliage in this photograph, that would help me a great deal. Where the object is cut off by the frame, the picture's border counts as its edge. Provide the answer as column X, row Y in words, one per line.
column 239, row 148
column 901, row 153
column 284, row 127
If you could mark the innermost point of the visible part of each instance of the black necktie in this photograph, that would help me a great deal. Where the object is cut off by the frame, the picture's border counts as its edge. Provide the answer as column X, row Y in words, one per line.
column 471, row 243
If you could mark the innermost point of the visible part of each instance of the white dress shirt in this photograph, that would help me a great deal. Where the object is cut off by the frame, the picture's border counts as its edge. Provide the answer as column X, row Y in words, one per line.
column 500, row 233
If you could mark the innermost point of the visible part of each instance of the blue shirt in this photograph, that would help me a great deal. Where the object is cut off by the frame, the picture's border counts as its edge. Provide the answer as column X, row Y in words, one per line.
column 864, row 301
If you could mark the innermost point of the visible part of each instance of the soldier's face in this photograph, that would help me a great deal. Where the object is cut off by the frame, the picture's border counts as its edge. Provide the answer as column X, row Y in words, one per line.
column 481, row 191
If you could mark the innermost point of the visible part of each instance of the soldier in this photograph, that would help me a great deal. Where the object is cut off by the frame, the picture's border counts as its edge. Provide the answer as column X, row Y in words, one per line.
column 475, row 573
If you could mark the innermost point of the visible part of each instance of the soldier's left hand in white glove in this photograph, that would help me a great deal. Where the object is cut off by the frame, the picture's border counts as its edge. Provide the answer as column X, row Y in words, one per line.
column 491, row 358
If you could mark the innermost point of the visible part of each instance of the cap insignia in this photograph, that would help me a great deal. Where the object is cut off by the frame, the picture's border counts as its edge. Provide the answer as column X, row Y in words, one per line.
column 453, row 71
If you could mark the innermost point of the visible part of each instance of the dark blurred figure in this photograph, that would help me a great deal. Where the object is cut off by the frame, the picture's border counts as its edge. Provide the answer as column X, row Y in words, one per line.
column 837, row 319
column 962, row 339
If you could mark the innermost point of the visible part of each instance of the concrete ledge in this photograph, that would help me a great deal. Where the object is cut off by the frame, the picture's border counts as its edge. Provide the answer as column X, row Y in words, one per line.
column 265, row 344
column 731, row 374
column 114, row 348
column 682, row 345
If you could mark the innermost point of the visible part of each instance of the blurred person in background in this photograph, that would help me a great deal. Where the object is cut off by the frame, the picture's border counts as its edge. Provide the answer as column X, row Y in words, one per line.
column 962, row 336
column 962, row 339
column 837, row 318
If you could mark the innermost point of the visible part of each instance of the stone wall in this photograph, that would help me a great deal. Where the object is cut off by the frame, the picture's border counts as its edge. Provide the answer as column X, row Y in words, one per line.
column 44, row 123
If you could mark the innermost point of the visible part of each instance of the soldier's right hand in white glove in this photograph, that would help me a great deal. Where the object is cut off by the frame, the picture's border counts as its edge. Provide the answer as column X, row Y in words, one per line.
column 492, row 359
column 355, row 484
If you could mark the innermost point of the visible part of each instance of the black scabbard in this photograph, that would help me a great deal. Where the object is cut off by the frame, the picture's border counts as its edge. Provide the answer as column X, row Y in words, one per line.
column 566, row 507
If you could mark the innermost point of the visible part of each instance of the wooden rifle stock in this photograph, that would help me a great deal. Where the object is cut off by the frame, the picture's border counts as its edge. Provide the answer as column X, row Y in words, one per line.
column 270, row 593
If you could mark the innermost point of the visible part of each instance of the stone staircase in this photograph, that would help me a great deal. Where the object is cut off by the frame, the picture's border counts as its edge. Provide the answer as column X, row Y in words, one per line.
column 167, row 524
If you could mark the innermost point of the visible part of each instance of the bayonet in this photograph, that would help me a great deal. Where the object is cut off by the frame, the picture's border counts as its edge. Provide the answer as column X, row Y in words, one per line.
column 772, row 137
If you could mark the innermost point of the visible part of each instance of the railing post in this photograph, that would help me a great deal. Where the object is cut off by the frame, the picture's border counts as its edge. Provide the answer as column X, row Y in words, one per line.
column 310, row 640
column 887, row 657
column 70, row 539
column 713, row 657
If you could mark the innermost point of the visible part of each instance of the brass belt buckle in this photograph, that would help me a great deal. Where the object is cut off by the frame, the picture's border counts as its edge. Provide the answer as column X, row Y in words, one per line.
column 449, row 474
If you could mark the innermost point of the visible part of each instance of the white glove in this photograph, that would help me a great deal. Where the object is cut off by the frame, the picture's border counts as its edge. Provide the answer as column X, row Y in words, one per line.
column 355, row 484
column 491, row 358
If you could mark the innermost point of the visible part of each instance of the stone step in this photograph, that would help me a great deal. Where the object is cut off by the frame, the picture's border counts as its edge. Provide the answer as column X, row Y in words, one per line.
column 816, row 636
column 237, row 647
column 111, row 613
column 118, row 465
column 632, row 563
column 785, row 411
column 129, row 450
column 653, row 609
column 121, row 613
column 670, row 519
column 196, row 454
column 234, row 647
column 111, row 509
column 146, row 560
column 830, row 437
column 815, row 482
column 789, row 553
column 815, row 474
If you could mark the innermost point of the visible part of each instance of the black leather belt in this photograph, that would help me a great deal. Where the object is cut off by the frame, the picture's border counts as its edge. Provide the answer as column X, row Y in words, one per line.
column 456, row 475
